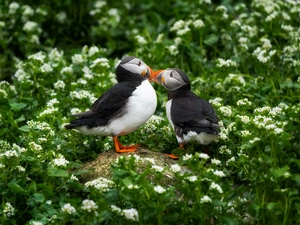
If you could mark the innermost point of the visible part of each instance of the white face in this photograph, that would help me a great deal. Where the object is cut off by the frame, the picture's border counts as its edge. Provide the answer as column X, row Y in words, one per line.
column 171, row 79
column 136, row 66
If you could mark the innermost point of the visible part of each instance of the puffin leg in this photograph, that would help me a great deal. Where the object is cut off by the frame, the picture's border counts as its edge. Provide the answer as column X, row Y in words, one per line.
column 206, row 149
column 122, row 149
column 172, row 156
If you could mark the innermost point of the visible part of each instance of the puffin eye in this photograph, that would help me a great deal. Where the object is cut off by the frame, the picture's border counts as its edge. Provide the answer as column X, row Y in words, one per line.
column 171, row 74
column 139, row 64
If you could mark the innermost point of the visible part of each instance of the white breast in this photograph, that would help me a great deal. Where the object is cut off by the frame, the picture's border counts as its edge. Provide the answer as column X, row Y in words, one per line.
column 168, row 112
column 140, row 107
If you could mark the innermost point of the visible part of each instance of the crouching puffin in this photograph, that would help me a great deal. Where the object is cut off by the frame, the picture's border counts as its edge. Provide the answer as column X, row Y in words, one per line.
column 191, row 117
column 123, row 108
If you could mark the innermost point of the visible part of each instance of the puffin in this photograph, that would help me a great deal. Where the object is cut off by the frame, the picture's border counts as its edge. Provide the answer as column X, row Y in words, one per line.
column 191, row 117
column 123, row 108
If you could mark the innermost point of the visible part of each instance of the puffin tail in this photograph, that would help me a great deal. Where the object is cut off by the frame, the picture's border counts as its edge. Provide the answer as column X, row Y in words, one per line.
column 70, row 126
column 74, row 124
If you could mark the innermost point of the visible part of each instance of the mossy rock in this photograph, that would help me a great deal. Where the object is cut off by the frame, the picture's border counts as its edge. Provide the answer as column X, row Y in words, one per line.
column 101, row 166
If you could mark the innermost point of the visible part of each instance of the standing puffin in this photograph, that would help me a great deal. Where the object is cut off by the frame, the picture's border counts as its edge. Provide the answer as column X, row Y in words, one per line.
column 123, row 108
column 191, row 117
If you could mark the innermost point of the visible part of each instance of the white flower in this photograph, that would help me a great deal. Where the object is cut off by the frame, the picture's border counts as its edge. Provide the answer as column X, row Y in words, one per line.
column 141, row 40
column 89, row 205
column 183, row 31
column 266, row 43
column 244, row 101
column 223, row 149
column 93, row 50
column 68, row 208
column 20, row 168
column 77, row 59
column 30, row 26
column 192, row 178
column 3, row 94
column 131, row 186
column 219, row 173
column 232, row 159
column 216, row 187
column 198, row 23
column 186, row 157
column 61, row 17
column 215, row 161
column 175, row 168
column 287, row 28
column 116, row 209
column 225, row 63
column 244, row 119
column 205, row 199
column 52, row 102
column 254, row 140
column 177, row 41
column 226, row 111
column 159, row 189
column 48, row 111
column 40, row 56
column 216, row 101
column 35, row 147
column 75, row 111
column 157, row 168
column 59, row 84
column 13, row 7
column 8, row 210
column 73, row 177
column 202, row 155
column 102, row 184
column 99, row 4
column 113, row 12
column 60, row 161
column 235, row 23
column 177, row 25
column 205, row 1
column 32, row 222
column 278, row 130
column 159, row 38
column 131, row 214
column 221, row 8
column 27, row 10
column 245, row 133
column 173, row 49
column 100, row 61
column 271, row 16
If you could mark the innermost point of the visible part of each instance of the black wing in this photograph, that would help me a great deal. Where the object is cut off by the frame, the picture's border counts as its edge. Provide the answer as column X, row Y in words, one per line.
column 109, row 105
column 193, row 114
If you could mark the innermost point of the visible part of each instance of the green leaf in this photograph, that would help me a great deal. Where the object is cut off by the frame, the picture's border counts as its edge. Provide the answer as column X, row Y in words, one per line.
column 211, row 40
column 17, row 106
column 16, row 188
column 57, row 172
column 24, row 128
column 38, row 197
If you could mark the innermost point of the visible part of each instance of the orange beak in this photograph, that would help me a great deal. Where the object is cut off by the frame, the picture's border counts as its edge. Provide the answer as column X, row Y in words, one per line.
column 153, row 75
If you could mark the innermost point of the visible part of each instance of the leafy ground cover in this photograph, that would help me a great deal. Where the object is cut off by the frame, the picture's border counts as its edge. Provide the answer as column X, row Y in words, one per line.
column 244, row 57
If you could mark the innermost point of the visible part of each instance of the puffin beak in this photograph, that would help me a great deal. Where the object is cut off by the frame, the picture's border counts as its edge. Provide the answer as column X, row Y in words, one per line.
column 147, row 73
column 156, row 76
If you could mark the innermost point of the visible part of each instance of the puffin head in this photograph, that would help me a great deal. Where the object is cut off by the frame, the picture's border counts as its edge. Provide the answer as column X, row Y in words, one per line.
column 171, row 78
column 132, row 69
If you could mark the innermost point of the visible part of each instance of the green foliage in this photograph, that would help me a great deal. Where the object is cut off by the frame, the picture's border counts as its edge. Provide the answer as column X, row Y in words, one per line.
column 59, row 57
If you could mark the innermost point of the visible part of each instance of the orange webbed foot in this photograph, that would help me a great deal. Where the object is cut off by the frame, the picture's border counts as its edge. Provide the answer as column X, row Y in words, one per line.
column 172, row 156
column 123, row 149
